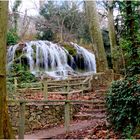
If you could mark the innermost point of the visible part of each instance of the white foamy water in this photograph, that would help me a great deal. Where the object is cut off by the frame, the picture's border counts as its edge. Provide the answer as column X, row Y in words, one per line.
column 53, row 59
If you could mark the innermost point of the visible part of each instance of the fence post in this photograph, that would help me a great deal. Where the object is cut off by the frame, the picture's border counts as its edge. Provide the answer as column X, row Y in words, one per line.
column 15, row 84
column 21, row 120
column 82, row 89
column 67, row 116
column 67, row 109
column 45, row 89
column 68, row 86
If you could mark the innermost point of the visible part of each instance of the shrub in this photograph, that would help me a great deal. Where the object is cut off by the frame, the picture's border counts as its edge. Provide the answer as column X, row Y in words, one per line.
column 123, row 105
column 46, row 35
column 12, row 37
column 24, row 76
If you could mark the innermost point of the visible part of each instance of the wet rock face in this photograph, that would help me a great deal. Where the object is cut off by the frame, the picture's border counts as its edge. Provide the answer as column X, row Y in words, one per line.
column 53, row 59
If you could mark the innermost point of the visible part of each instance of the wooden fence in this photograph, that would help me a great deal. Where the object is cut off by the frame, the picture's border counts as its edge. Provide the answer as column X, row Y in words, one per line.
column 22, row 104
column 45, row 86
column 66, row 86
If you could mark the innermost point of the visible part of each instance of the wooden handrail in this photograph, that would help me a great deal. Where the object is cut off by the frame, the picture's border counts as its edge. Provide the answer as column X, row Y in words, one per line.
column 47, row 101
column 41, row 85
column 67, row 117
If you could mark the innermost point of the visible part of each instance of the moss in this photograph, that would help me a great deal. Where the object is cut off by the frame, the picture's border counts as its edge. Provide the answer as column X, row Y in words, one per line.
column 18, row 53
column 72, row 51
column 34, row 48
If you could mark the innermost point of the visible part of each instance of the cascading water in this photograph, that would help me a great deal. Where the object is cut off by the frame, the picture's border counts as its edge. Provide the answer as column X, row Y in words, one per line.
column 53, row 59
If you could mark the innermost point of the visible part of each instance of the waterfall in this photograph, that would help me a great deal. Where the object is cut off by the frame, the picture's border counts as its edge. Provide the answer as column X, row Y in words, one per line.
column 53, row 59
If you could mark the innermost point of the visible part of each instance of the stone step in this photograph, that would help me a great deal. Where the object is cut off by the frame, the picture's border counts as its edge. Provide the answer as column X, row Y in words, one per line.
column 101, row 90
column 97, row 101
column 94, row 103
column 99, row 107
column 97, row 97
column 102, row 110
column 101, row 93
column 84, row 116
column 94, row 106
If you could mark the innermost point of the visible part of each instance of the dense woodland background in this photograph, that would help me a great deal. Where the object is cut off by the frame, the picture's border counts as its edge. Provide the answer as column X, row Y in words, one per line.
column 108, row 28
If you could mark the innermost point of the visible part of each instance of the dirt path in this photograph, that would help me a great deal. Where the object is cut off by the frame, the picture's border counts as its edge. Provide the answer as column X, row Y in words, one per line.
column 53, row 132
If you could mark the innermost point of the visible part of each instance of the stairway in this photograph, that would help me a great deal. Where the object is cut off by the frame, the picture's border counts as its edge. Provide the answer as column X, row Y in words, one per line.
column 95, row 110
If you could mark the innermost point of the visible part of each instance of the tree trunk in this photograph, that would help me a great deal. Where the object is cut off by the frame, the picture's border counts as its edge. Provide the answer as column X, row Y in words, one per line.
column 132, row 32
column 15, row 21
column 16, row 14
column 96, row 34
column 112, row 36
column 5, row 128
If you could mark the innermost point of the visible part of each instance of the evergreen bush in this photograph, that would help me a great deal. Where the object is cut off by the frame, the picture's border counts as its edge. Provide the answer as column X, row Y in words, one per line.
column 123, row 105
column 12, row 37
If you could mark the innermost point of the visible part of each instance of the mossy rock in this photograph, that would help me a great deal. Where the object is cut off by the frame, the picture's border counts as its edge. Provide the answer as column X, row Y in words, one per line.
column 34, row 48
column 18, row 53
column 72, row 51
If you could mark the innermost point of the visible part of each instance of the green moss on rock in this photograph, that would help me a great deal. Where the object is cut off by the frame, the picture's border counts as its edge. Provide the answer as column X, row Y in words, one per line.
column 72, row 51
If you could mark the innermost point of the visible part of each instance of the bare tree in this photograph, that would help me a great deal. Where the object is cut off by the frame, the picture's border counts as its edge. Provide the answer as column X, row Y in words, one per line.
column 60, row 18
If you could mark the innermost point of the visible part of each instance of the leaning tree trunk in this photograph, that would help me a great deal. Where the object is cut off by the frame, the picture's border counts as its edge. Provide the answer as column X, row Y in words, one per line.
column 112, row 36
column 5, row 128
column 96, row 35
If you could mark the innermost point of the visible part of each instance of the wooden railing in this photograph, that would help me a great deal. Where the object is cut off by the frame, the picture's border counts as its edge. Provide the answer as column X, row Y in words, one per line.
column 45, row 86
column 22, row 104
column 66, row 86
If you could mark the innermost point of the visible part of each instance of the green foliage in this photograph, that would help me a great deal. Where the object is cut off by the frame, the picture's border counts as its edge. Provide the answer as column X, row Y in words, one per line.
column 123, row 98
column 123, row 105
column 10, row 86
column 26, row 77
column 12, row 37
column 132, row 66
column 72, row 51
column 125, row 45
column 131, row 35
column 127, row 17
column 23, row 75
column 46, row 35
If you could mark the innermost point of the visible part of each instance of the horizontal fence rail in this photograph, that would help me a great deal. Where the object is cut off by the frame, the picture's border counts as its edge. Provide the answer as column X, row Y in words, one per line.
column 66, row 86
column 45, row 86
column 67, row 117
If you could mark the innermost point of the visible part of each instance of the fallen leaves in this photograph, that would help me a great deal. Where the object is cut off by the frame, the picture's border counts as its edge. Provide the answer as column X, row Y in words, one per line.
column 98, row 131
